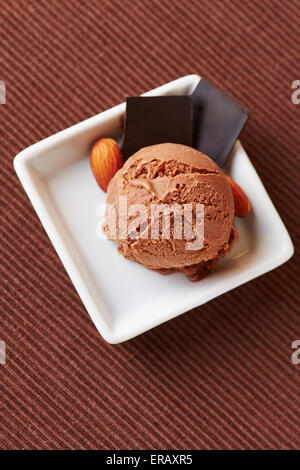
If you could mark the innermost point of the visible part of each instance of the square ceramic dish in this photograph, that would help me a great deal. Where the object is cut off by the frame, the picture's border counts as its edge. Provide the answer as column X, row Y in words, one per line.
column 123, row 298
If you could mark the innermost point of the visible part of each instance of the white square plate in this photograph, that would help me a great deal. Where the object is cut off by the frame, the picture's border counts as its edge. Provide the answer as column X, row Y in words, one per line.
column 123, row 298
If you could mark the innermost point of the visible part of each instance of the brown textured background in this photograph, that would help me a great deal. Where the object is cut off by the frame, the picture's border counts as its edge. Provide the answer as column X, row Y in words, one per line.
column 218, row 377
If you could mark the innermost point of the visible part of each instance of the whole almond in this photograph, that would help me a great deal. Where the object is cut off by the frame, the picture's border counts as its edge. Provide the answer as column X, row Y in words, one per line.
column 105, row 159
column 242, row 204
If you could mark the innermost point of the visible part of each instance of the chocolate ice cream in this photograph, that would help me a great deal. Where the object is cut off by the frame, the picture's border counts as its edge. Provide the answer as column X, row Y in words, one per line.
column 171, row 174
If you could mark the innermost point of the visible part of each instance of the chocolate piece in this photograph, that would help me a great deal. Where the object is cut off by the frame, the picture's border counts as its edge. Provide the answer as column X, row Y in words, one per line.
column 218, row 121
column 154, row 120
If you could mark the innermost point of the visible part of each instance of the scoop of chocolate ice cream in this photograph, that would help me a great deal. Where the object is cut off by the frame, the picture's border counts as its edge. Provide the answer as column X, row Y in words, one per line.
column 174, row 175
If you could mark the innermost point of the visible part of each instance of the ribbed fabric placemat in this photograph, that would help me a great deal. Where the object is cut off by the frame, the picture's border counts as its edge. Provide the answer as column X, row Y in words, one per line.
column 220, row 376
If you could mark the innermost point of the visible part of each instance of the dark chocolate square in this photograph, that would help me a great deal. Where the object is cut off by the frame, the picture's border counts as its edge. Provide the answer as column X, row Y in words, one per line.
column 218, row 121
column 154, row 120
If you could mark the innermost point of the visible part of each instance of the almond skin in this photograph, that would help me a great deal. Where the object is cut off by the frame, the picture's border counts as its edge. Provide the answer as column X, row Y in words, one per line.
column 242, row 204
column 105, row 159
